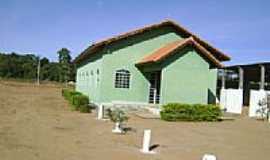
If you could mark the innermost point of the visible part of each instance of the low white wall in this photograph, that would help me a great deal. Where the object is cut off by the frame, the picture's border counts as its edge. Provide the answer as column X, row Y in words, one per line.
column 255, row 97
column 232, row 100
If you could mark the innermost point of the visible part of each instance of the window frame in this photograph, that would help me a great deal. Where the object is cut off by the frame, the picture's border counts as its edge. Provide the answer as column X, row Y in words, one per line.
column 121, row 83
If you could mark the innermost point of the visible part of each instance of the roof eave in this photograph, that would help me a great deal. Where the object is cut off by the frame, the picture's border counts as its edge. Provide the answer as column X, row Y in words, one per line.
column 88, row 52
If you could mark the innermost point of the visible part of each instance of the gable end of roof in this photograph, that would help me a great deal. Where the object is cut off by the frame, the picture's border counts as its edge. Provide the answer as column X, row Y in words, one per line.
column 170, row 49
column 94, row 48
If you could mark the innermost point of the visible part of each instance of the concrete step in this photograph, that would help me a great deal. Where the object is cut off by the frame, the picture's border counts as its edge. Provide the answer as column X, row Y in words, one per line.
column 146, row 115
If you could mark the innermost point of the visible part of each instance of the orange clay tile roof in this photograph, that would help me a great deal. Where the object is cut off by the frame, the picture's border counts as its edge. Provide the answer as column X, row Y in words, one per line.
column 169, row 49
column 94, row 48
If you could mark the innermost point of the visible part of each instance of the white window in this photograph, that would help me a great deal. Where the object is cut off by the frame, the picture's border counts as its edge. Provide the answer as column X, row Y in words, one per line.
column 122, row 79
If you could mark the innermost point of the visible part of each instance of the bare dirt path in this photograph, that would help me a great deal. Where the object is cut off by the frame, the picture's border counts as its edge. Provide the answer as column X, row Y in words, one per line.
column 36, row 124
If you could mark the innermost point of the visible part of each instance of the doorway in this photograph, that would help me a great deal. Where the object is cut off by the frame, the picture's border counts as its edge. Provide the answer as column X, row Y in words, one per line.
column 154, row 89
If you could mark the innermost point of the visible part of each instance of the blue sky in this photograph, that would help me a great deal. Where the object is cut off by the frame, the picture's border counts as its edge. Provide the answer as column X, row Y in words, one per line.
column 238, row 28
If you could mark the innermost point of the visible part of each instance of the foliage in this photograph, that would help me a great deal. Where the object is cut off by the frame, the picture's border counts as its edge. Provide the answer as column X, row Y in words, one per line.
column 77, row 100
column 117, row 115
column 17, row 66
column 263, row 110
column 188, row 112
column 25, row 67
column 69, row 94
column 85, row 109
column 64, row 59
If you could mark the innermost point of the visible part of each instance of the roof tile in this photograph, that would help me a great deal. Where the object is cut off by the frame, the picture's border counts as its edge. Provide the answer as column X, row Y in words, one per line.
column 169, row 49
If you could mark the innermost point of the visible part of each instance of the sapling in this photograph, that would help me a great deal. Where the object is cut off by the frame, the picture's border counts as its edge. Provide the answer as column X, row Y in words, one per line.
column 117, row 116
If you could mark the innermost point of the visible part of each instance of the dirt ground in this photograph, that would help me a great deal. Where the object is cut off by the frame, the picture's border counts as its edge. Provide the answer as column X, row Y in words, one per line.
column 37, row 124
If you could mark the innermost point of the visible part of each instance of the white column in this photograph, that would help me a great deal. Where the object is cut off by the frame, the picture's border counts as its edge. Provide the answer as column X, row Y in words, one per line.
column 155, row 95
column 100, row 112
column 223, row 79
column 262, row 77
column 241, row 77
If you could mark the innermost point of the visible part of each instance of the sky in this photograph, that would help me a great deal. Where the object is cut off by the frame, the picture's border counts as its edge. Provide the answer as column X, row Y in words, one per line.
column 239, row 28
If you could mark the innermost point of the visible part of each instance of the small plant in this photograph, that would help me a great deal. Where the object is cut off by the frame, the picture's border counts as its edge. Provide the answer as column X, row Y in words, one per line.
column 117, row 116
column 263, row 110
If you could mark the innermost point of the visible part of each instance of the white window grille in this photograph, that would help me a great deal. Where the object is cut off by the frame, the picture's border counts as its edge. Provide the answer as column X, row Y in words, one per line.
column 122, row 79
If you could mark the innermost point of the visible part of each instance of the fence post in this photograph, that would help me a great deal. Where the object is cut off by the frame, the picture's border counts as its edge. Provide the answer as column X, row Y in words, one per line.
column 146, row 142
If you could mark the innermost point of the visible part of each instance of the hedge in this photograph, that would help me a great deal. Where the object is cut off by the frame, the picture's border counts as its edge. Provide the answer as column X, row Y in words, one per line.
column 69, row 94
column 84, row 109
column 78, row 101
column 188, row 112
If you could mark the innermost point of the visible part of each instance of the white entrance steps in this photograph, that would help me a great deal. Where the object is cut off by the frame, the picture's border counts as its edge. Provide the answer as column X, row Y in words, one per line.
column 146, row 115
column 142, row 110
column 149, row 112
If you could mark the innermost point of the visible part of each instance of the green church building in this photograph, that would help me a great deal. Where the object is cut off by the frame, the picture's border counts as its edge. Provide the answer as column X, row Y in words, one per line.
column 157, row 64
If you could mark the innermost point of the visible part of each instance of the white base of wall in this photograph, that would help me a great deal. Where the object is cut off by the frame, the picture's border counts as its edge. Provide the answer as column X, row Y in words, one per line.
column 232, row 100
column 255, row 97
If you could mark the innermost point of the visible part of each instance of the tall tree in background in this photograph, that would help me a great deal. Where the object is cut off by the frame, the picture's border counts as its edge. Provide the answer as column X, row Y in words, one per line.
column 64, row 59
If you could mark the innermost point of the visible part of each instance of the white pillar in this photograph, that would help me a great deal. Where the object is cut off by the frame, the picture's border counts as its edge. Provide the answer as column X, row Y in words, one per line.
column 117, row 128
column 147, row 142
column 241, row 77
column 209, row 157
column 262, row 77
column 155, row 95
column 223, row 80
column 100, row 112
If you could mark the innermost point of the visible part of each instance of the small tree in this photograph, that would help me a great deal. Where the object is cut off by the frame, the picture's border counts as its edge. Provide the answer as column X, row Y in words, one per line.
column 64, row 59
column 117, row 116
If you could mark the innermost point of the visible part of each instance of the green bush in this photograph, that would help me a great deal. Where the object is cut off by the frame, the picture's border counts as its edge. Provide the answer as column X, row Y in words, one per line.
column 187, row 112
column 69, row 94
column 85, row 109
column 76, row 99
column 79, row 100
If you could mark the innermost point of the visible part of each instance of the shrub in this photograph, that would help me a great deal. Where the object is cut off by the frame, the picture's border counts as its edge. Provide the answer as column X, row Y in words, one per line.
column 84, row 109
column 77, row 100
column 69, row 93
column 187, row 112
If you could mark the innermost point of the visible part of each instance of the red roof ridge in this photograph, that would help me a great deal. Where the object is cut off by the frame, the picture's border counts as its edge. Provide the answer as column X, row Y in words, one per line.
column 100, row 44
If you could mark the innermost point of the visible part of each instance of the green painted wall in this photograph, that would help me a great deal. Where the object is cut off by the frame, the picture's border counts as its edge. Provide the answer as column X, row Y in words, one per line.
column 88, row 77
column 124, row 55
column 186, row 76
